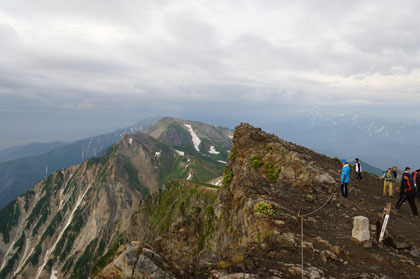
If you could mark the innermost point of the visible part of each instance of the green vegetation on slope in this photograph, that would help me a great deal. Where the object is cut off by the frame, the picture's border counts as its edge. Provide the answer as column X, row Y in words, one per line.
column 177, row 200
column 131, row 175
column 9, row 217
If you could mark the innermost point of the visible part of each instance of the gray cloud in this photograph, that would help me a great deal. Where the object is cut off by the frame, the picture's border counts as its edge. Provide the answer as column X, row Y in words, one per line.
column 166, row 57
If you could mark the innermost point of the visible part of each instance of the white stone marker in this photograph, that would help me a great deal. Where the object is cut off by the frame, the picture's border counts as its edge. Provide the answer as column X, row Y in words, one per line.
column 361, row 228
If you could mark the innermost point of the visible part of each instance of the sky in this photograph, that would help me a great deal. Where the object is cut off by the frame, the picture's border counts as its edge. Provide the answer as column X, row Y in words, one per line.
column 73, row 69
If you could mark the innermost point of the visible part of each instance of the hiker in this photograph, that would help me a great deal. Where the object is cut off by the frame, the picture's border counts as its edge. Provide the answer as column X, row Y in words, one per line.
column 358, row 170
column 345, row 177
column 395, row 173
column 407, row 191
column 416, row 178
column 388, row 178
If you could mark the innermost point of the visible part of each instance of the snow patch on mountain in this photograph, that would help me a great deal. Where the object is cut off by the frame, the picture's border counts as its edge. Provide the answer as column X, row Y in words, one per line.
column 130, row 141
column 182, row 153
column 213, row 150
column 379, row 130
column 220, row 161
column 196, row 140
column 218, row 182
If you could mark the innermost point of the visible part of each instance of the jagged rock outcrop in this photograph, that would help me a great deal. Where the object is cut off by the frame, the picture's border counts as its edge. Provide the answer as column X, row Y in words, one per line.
column 135, row 262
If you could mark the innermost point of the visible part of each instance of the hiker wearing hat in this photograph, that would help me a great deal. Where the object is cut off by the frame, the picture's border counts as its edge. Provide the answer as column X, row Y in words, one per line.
column 345, row 177
column 358, row 170
column 407, row 192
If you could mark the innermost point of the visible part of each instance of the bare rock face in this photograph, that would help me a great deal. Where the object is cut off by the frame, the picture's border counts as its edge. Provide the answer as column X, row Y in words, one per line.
column 276, row 159
column 263, row 170
column 135, row 262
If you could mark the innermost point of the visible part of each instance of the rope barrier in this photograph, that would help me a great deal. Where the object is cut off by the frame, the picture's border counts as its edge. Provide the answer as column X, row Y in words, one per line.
column 301, row 223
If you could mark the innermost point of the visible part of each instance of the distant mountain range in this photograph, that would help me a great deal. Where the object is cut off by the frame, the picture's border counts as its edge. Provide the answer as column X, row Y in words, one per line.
column 19, row 175
column 381, row 143
column 32, row 149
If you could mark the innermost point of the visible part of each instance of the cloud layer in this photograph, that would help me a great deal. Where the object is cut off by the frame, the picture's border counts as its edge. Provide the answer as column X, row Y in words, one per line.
column 84, row 55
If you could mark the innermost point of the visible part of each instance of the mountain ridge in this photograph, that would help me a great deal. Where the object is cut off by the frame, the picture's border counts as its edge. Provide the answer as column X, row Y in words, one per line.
column 80, row 212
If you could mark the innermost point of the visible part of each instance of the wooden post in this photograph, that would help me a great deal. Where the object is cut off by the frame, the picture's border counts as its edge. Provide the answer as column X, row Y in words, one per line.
column 387, row 212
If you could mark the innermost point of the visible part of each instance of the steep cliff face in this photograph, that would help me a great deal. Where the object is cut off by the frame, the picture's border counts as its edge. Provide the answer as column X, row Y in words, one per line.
column 76, row 215
column 249, row 228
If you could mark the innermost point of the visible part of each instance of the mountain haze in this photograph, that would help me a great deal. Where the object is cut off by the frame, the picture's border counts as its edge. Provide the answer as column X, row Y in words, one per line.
column 32, row 149
column 381, row 143
column 17, row 176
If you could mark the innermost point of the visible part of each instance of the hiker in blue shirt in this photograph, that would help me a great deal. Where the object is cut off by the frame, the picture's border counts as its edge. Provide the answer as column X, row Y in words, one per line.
column 345, row 177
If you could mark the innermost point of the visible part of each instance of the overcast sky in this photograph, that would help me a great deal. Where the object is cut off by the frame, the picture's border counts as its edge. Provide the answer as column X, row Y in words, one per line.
column 70, row 69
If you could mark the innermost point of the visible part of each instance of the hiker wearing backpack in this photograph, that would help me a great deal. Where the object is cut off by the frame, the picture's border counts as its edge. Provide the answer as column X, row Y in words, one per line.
column 395, row 173
column 407, row 192
column 388, row 178
column 358, row 170
column 416, row 179
column 345, row 177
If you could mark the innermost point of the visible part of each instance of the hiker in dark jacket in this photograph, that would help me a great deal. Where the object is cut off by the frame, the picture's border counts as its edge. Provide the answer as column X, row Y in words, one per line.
column 395, row 173
column 416, row 178
column 407, row 192
column 358, row 170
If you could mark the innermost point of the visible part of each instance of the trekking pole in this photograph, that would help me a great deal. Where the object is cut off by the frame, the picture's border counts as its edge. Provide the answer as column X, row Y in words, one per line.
column 301, row 216
column 301, row 240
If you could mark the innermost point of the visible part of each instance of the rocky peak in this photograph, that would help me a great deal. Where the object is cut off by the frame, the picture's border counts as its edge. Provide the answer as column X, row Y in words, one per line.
column 264, row 155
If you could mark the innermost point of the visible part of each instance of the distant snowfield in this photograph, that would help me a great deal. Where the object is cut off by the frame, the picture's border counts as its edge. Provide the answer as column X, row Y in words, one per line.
column 220, row 161
column 213, row 150
column 218, row 182
column 196, row 140
column 157, row 154
column 130, row 141
column 231, row 137
column 379, row 130
column 182, row 153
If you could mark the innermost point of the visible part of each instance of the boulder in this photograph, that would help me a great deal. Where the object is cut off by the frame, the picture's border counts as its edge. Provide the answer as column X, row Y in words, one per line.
column 134, row 262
